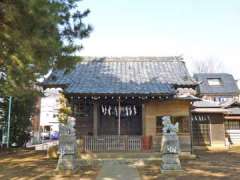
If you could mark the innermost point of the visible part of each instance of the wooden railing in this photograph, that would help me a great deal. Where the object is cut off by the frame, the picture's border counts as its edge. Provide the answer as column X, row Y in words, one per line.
column 111, row 143
column 115, row 143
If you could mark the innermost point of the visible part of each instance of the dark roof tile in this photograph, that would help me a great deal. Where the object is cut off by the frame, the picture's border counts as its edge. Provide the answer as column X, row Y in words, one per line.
column 124, row 75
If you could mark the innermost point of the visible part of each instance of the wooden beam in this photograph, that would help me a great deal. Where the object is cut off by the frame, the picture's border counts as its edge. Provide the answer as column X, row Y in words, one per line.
column 232, row 117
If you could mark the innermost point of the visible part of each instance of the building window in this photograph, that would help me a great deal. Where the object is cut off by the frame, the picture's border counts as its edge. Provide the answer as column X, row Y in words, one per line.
column 232, row 124
column 182, row 120
column 214, row 82
column 222, row 99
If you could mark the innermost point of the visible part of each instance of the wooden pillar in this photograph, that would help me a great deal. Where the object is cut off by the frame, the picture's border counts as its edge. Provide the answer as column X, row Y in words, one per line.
column 95, row 118
column 210, row 131
column 190, row 126
column 143, row 120
column 119, row 116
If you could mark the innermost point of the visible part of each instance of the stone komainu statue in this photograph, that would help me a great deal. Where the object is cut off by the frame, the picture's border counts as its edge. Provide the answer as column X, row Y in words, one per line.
column 168, row 127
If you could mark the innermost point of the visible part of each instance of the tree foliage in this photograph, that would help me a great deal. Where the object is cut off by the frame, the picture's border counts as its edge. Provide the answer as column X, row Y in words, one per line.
column 36, row 36
column 64, row 109
column 208, row 66
column 22, row 109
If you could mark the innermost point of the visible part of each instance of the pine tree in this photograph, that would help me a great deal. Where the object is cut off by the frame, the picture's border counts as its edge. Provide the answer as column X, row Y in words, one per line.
column 36, row 36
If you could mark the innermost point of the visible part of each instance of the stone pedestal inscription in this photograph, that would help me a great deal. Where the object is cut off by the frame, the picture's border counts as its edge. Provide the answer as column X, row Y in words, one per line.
column 170, row 153
column 170, row 148
column 67, row 147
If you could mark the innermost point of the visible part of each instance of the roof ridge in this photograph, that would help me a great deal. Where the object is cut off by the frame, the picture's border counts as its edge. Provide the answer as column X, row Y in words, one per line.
column 215, row 73
column 132, row 58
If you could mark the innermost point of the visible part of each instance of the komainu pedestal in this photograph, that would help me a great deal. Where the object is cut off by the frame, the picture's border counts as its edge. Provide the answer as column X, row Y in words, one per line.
column 170, row 153
column 170, row 148
column 67, row 148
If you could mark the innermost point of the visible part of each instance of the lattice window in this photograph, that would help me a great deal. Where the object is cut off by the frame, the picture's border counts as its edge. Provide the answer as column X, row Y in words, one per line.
column 232, row 124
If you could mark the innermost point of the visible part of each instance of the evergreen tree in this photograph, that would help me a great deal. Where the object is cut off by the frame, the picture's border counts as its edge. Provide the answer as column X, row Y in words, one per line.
column 36, row 36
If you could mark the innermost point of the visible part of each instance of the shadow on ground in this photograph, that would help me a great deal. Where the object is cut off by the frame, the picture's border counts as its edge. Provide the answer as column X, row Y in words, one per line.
column 208, row 165
column 34, row 165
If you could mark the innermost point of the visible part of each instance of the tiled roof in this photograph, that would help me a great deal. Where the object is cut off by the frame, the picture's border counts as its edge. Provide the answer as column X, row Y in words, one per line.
column 229, row 108
column 232, row 106
column 234, row 111
column 124, row 75
column 230, row 103
column 206, row 104
column 228, row 87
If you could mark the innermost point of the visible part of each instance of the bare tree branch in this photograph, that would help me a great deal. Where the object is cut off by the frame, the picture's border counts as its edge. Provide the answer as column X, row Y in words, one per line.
column 208, row 66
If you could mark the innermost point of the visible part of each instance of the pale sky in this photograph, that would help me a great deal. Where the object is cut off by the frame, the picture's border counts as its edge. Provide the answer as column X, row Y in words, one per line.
column 195, row 29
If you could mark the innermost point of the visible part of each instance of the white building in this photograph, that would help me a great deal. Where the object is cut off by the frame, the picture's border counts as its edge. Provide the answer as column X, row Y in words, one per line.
column 238, row 84
column 49, row 110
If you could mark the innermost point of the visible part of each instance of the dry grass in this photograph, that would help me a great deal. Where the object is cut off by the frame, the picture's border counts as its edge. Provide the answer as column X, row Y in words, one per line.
column 23, row 164
column 208, row 165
